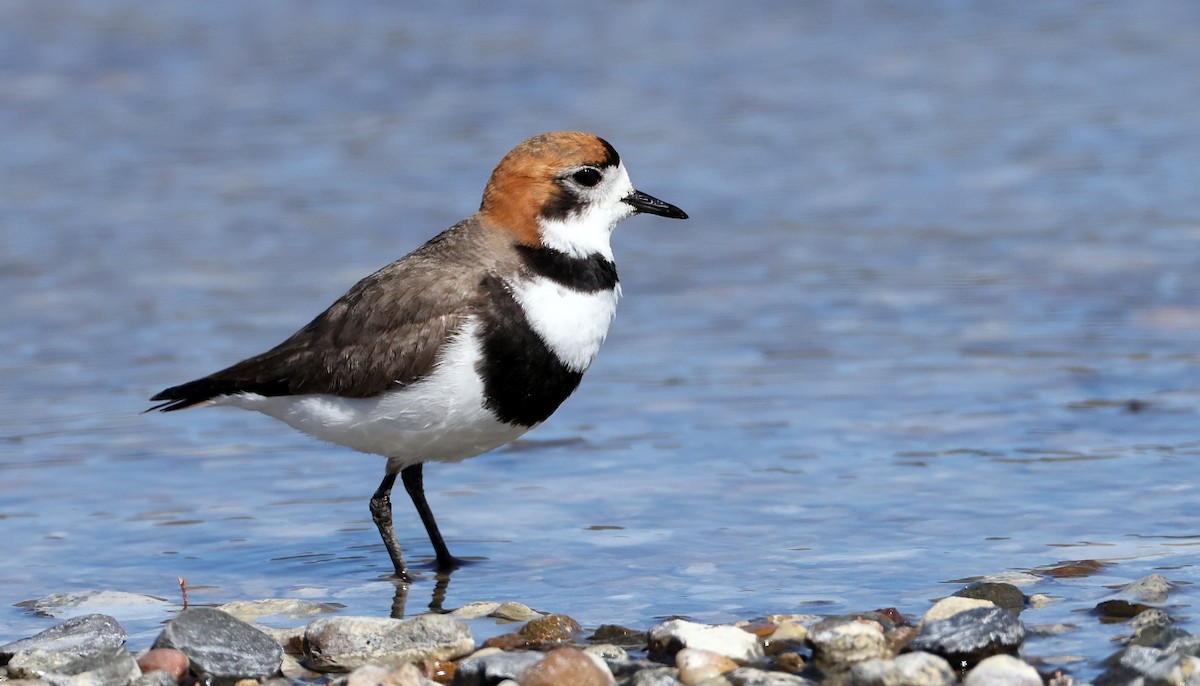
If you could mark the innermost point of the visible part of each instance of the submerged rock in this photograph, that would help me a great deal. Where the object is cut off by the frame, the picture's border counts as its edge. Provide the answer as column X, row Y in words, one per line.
column 221, row 647
column 76, row 636
column 1002, row 595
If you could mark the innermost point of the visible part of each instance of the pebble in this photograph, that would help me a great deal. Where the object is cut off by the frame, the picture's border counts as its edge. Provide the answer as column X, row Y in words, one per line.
column 839, row 644
column 77, row 636
column 486, row 667
column 377, row 675
column 671, row 636
column 965, row 631
column 655, row 676
column 169, row 660
column 514, row 612
column 1002, row 670
column 909, row 669
column 338, row 644
column 695, row 665
column 113, row 603
column 221, row 647
column 567, row 665
column 155, row 678
column 618, row 635
column 1152, row 588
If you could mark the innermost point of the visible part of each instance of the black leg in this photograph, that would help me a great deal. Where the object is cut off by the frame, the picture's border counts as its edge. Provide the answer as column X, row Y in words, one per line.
column 381, row 512
column 414, row 483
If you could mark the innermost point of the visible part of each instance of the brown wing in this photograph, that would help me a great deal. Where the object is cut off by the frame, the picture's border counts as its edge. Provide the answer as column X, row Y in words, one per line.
column 384, row 332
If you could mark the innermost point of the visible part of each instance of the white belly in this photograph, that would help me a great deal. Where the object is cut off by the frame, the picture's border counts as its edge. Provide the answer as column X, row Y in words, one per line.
column 440, row 418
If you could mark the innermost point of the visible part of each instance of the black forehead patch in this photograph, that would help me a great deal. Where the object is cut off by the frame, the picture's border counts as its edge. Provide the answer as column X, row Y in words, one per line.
column 611, row 158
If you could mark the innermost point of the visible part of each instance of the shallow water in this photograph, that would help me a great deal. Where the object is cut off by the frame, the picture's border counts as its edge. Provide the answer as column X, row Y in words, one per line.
column 935, row 315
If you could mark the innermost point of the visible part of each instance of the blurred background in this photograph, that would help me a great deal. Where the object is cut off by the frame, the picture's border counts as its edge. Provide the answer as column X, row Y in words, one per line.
column 936, row 313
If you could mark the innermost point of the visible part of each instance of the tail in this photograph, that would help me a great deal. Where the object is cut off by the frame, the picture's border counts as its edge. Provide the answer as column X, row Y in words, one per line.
column 209, row 388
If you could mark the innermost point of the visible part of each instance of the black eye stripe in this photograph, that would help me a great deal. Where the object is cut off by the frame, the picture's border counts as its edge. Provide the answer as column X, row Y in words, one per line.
column 588, row 176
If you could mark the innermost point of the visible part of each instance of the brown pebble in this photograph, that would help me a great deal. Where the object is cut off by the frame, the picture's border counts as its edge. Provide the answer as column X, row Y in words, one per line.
column 506, row 642
column 566, row 665
column 551, row 629
column 790, row 662
column 169, row 660
column 1074, row 569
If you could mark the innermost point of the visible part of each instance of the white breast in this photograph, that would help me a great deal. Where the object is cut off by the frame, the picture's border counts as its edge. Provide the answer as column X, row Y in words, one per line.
column 572, row 324
column 441, row 417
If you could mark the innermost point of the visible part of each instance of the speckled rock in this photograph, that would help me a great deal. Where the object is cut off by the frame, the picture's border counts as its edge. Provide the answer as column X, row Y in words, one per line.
column 966, row 631
column 153, row 678
column 108, row 667
column 671, row 636
column 77, row 636
column 695, row 665
column 567, row 665
column 221, row 647
column 173, row 662
column 488, row 667
column 1152, row 588
column 550, row 629
column 335, row 644
column 839, row 644
column 1002, row 670
column 909, row 669
column 618, row 635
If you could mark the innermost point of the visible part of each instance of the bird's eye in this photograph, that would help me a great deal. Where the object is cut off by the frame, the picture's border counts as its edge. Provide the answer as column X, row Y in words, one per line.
column 588, row 176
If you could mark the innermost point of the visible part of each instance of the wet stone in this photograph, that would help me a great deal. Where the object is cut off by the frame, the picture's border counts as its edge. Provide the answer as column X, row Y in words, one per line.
column 108, row 667
column 1152, row 667
column 671, row 636
column 1002, row 595
column 839, row 644
column 490, row 668
column 221, row 647
column 77, row 636
column 251, row 610
column 1002, row 670
column 567, row 665
column 475, row 610
column 550, row 629
column 965, row 637
column 1111, row 611
column 607, row 652
column 154, row 678
column 618, row 635
column 119, row 603
column 514, row 612
column 1152, row 588
column 335, row 644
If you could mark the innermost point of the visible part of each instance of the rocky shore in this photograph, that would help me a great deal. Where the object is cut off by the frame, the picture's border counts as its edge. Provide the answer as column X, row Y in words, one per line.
column 973, row 637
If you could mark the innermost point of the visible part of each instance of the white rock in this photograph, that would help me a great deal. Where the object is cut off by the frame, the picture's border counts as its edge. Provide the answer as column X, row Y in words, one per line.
column 1002, row 670
column 734, row 643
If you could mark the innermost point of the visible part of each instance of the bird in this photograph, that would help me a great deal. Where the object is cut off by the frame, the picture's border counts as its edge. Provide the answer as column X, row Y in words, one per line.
column 464, row 344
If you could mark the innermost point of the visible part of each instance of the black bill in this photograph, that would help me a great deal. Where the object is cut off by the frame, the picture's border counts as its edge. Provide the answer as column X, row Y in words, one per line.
column 652, row 205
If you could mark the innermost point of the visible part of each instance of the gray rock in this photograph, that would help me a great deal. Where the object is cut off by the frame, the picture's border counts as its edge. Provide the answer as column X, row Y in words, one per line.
column 1151, row 667
column 108, row 667
column 655, row 676
column 378, row 675
column 839, row 644
column 117, row 603
column 78, row 636
column 1002, row 670
column 966, row 637
column 339, row 644
column 1152, row 588
column 252, row 610
column 736, row 644
column 491, row 668
column 749, row 676
column 909, row 669
column 222, row 648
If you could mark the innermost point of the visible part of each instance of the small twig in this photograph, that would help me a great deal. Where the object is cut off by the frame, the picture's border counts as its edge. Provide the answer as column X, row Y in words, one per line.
column 183, row 588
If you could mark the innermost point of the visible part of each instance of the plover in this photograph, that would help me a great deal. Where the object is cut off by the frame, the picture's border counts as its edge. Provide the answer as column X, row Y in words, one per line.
column 464, row 344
